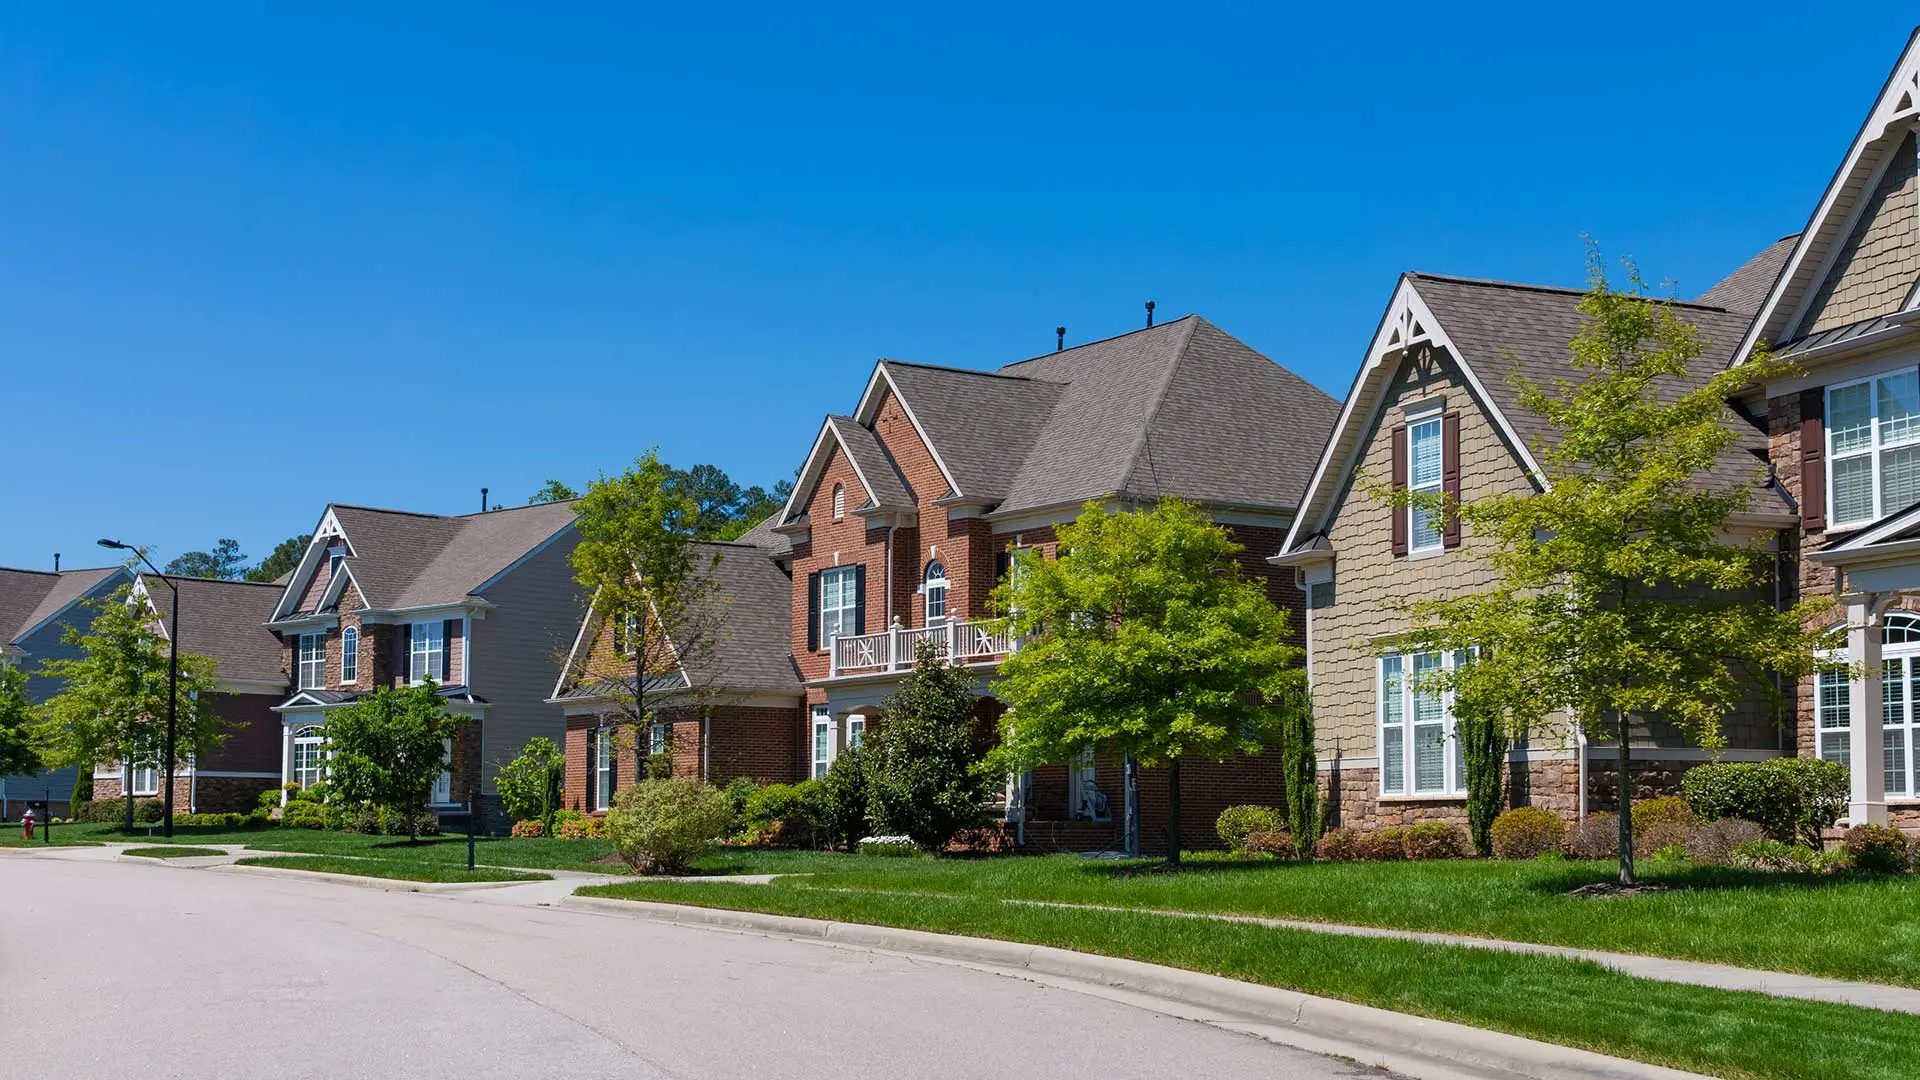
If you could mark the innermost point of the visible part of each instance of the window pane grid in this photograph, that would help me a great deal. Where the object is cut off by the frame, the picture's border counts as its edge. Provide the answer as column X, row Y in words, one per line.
column 1417, row 727
column 1423, row 475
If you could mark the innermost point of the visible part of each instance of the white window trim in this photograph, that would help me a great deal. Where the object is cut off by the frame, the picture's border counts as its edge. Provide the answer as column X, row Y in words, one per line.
column 1424, row 418
column 848, row 577
column 822, row 753
column 1900, row 714
column 350, row 655
column 142, row 780
column 309, row 735
column 1453, row 781
column 659, row 738
column 443, row 784
column 856, row 731
column 1873, row 451
column 839, row 501
column 317, row 661
column 929, row 584
column 427, row 656
column 603, row 768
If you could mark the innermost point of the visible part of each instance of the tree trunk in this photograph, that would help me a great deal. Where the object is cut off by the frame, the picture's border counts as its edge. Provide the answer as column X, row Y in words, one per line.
column 1626, row 802
column 1173, row 812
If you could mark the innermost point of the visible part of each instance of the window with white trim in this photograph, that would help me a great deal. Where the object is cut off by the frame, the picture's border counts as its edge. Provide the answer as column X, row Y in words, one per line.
column 602, row 768
column 1899, row 707
column 1873, row 447
column 1419, row 754
column 839, row 502
column 313, row 661
column 443, row 784
column 143, row 778
column 839, row 593
column 1424, row 478
column 428, row 653
column 335, row 556
column 309, row 755
column 936, row 590
column 856, row 731
column 823, row 748
column 350, row 654
column 659, row 738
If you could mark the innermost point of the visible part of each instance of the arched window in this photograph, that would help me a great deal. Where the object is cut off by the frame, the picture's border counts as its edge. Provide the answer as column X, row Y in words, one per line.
column 350, row 654
column 309, row 755
column 1900, row 628
column 936, row 590
column 839, row 502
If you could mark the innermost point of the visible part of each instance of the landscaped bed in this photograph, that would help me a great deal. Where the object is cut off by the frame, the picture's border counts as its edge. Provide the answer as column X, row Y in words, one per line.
column 177, row 851
column 1574, row 1003
column 397, row 871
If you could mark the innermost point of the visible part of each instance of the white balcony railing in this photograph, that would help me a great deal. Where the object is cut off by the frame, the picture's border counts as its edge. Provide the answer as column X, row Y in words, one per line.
column 894, row 648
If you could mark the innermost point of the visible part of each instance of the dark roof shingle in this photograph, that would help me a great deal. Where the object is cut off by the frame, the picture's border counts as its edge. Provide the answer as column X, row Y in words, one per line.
column 226, row 622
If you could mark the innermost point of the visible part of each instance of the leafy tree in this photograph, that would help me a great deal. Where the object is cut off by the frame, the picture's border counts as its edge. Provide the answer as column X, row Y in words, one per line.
column 387, row 749
column 716, row 498
column 533, row 784
column 1483, row 749
column 286, row 556
column 925, row 775
column 1144, row 639
column 1300, row 764
column 638, row 559
column 844, row 799
column 224, row 562
column 757, row 504
column 19, row 756
column 551, row 492
column 112, row 705
column 1619, row 593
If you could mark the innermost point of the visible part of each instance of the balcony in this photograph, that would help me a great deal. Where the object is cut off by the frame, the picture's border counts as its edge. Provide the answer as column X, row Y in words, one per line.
column 894, row 649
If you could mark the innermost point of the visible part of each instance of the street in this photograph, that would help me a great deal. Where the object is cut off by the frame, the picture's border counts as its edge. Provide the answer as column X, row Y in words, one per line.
column 111, row 968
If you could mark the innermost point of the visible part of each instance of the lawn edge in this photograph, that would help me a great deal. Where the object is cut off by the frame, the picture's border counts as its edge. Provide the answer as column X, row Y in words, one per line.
column 381, row 884
column 1371, row 1035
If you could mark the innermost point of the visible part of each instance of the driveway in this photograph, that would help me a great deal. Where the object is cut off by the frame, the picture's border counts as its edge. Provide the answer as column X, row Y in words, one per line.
column 163, row 971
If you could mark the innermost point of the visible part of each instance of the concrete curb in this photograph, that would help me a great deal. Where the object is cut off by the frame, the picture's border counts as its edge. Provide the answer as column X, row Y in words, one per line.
column 1412, row 1045
column 378, row 884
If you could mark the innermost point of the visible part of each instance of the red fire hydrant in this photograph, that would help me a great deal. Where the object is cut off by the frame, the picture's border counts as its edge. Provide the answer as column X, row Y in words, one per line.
column 26, row 824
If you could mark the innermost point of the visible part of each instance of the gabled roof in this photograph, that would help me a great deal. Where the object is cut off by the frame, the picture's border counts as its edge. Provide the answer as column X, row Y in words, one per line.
column 1494, row 329
column 224, row 621
column 1744, row 290
column 763, row 537
column 949, row 406
column 30, row 598
column 402, row 560
column 455, row 693
column 879, row 476
column 1886, row 126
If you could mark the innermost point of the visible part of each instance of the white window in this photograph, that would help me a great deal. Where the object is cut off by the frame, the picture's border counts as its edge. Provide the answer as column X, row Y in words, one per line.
column 443, row 784
column 936, row 590
column 1419, row 754
column 1423, row 477
column 1873, row 447
column 856, row 731
column 144, row 778
column 838, row 595
column 309, row 755
column 313, row 661
column 350, row 654
column 839, row 502
column 659, row 738
column 602, row 768
column 823, row 748
column 429, row 652
column 1899, row 707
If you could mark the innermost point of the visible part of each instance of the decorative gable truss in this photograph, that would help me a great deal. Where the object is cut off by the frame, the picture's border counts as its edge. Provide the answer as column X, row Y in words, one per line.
column 327, row 535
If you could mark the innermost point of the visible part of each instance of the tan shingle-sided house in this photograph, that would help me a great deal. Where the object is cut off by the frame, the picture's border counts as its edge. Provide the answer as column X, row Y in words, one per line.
column 36, row 609
column 484, row 605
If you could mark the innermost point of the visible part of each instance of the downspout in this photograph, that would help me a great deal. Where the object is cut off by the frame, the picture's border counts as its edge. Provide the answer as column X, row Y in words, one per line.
column 706, row 744
column 887, row 618
column 1580, row 742
column 193, row 784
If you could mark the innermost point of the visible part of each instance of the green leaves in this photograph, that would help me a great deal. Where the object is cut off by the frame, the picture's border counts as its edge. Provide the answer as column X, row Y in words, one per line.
column 924, row 774
column 531, row 786
column 18, row 754
column 388, row 748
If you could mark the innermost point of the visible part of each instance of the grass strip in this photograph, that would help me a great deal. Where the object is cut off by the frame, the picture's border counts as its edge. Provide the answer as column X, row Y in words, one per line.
column 397, row 871
column 1569, row 1002
column 180, row 851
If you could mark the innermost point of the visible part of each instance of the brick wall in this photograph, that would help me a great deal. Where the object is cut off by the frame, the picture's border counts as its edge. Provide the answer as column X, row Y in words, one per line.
column 846, row 542
column 762, row 744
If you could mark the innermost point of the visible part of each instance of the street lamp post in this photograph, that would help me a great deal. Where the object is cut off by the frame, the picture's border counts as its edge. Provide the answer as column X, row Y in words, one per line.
column 173, row 683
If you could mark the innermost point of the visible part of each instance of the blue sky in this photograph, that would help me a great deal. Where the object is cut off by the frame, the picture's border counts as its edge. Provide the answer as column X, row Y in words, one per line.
column 253, row 262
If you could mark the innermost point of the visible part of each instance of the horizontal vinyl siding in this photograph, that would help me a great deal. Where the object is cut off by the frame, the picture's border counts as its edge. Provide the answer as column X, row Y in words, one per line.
column 518, row 650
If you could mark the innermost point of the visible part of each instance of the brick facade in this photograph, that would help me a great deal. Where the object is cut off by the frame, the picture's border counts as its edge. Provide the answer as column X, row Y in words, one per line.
column 760, row 743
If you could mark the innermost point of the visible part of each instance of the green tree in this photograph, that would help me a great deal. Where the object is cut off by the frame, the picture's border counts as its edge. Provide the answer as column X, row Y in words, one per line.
column 224, row 562
column 716, row 498
column 286, row 556
column 1483, row 757
column 757, row 504
column 1300, row 763
column 1620, row 591
column 533, row 784
column 639, row 560
column 112, row 705
column 661, row 825
column 926, row 777
column 387, row 749
column 843, row 800
column 19, row 756
column 1144, row 639
column 551, row 492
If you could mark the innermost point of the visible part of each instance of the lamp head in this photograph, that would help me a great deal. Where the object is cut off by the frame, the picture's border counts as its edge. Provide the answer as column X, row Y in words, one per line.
column 114, row 544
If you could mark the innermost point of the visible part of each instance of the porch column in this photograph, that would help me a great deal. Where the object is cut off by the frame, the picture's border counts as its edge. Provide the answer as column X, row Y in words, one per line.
column 286, row 759
column 1866, row 736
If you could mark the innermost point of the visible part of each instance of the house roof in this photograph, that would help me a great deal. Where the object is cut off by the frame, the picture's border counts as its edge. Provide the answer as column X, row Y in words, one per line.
column 1744, row 290
column 224, row 621
column 28, row 598
column 762, row 536
column 885, row 486
column 951, row 403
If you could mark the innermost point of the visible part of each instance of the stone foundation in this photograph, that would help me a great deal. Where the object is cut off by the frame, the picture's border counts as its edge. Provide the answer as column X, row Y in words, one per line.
column 210, row 795
column 1551, row 784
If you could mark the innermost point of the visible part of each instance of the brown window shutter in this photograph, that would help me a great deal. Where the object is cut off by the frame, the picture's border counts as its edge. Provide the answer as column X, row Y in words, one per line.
column 1450, row 477
column 1813, row 458
column 1399, row 485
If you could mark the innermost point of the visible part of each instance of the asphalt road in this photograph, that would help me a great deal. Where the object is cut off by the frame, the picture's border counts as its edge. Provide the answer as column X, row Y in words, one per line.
column 111, row 969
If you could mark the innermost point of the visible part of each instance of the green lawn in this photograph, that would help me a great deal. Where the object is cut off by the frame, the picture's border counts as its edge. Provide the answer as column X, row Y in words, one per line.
column 175, row 851
column 1574, row 1003
column 397, row 871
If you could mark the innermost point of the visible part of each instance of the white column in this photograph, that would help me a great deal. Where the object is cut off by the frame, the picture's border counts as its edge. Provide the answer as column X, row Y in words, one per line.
column 286, row 759
column 1866, row 739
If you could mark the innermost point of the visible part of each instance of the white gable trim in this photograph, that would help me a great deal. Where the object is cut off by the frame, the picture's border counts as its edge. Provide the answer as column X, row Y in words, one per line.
column 1898, row 103
column 869, row 409
column 328, row 528
column 1408, row 321
column 573, row 654
column 816, row 464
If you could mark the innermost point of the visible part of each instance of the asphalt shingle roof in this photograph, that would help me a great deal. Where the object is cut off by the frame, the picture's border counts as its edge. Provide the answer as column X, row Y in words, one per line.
column 1744, row 290
column 226, row 622
column 873, row 463
column 408, row 560
column 983, row 423
column 31, row 597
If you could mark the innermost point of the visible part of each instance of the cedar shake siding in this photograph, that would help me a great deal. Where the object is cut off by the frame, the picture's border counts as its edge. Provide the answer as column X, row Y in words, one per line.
column 1875, row 269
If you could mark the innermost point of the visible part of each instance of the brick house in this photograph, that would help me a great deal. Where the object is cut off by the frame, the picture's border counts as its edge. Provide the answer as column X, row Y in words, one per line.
column 224, row 621
column 484, row 605
column 36, row 609
column 727, row 700
column 906, row 513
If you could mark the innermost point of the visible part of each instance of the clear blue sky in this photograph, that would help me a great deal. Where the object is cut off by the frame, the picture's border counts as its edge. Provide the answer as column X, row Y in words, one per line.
column 253, row 263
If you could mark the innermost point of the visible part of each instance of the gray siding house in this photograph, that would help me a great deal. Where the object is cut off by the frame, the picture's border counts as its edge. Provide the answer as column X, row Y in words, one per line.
column 36, row 608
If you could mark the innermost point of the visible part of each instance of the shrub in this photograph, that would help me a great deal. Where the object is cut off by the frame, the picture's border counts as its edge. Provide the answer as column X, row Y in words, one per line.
column 1272, row 843
column 1662, row 823
column 1338, row 845
column 738, row 791
column 1300, row 763
column 925, row 776
column 842, row 803
column 1383, row 845
column 895, row 847
column 1236, row 823
column 785, row 813
column 1483, row 749
column 1597, row 836
column 1437, row 840
column 147, row 811
column 306, row 815
column 268, row 800
column 528, row 830
column 1669, row 854
column 659, row 766
column 561, row 817
column 103, row 811
column 1878, row 849
column 532, row 785
column 661, row 825
column 1713, row 842
column 581, row 828
column 1527, row 831
column 259, row 819
column 1791, row 798
column 1770, row 854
